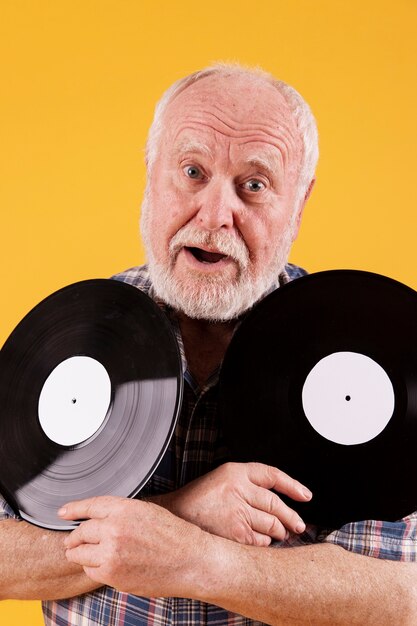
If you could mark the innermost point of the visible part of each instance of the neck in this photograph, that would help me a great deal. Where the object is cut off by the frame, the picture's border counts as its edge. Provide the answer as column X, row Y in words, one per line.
column 205, row 344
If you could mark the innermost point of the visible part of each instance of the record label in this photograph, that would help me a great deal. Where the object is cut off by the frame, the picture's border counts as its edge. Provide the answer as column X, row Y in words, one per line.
column 348, row 398
column 74, row 400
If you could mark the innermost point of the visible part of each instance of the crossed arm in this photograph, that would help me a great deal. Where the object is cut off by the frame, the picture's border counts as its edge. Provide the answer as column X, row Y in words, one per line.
column 143, row 548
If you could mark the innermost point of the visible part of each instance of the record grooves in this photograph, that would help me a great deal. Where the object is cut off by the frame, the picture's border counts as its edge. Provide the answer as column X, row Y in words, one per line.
column 90, row 391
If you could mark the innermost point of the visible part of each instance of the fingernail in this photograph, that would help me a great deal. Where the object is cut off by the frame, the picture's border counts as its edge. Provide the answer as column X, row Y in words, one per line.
column 307, row 493
column 300, row 527
column 62, row 510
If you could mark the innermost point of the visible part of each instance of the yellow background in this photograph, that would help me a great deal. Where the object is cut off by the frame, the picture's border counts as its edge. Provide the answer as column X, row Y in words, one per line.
column 79, row 81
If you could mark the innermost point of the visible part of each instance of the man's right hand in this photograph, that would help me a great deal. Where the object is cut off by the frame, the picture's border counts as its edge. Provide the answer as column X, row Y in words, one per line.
column 234, row 501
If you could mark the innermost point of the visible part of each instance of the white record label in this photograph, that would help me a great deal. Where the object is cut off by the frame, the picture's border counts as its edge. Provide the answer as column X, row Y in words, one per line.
column 348, row 398
column 74, row 400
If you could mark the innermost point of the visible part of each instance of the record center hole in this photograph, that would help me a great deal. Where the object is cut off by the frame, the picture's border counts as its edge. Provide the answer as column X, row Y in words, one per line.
column 347, row 398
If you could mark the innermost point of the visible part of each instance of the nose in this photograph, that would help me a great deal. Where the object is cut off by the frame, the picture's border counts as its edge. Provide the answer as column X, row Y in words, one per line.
column 217, row 205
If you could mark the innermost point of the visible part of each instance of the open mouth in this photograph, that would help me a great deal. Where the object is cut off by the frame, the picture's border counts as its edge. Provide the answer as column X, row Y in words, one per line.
column 206, row 257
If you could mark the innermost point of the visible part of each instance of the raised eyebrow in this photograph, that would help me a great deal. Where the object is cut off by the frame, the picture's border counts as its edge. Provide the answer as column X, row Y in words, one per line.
column 263, row 164
column 185, row 147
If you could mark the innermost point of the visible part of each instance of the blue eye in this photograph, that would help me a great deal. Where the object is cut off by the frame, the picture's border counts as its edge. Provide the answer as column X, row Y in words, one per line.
column 192, row 171
column 254, row 185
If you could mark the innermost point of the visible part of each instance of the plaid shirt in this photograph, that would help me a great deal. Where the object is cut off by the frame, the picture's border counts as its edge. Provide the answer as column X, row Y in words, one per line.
column 195, row 449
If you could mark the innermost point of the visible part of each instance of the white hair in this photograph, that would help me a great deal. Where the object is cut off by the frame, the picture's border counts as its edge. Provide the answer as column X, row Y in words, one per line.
column 299, row 108
column 215, row 297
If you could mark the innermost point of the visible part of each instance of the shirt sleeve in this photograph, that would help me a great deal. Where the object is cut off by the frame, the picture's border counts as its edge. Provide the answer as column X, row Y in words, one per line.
column 6, row 511
column 395, row 541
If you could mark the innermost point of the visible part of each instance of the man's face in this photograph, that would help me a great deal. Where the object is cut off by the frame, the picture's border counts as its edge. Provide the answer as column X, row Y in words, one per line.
column 219, row 215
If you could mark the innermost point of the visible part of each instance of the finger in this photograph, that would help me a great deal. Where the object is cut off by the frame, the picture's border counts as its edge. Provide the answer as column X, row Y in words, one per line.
column 272, row 478
column 260, row 540
column 85, row 555
column 269, row 503
column 95, row 574
column 98, row 507
column 87, row 532
column 267, row 524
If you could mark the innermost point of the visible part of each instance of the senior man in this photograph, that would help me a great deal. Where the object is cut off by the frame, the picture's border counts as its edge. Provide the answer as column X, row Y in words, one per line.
column 231, row 158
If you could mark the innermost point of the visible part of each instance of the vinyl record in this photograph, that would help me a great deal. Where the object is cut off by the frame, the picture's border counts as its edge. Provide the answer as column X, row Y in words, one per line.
column 90, row 390
column 320, row 380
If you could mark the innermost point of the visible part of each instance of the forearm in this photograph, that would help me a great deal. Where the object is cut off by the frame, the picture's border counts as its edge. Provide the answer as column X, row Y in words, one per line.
column 318, row 584
column 33, row 564
column 141, row 548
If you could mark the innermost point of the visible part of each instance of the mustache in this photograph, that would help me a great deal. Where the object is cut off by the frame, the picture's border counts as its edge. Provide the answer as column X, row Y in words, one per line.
column 224, row 243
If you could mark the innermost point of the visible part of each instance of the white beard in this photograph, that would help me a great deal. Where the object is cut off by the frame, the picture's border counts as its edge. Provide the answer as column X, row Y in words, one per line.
column 214, row 296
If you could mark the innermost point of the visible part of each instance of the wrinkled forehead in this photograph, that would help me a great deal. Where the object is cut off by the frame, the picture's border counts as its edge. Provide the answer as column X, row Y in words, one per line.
column 243, row 109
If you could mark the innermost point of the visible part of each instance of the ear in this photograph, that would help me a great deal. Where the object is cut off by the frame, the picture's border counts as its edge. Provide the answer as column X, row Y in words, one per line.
column 300, row 211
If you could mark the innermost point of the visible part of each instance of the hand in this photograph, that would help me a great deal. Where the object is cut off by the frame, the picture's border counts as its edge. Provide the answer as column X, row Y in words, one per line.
column 234, row 501
column 134, row 546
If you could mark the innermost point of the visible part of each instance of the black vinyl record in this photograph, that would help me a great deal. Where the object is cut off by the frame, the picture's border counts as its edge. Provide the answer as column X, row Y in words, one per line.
column 90, row 390
column 320, row 380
